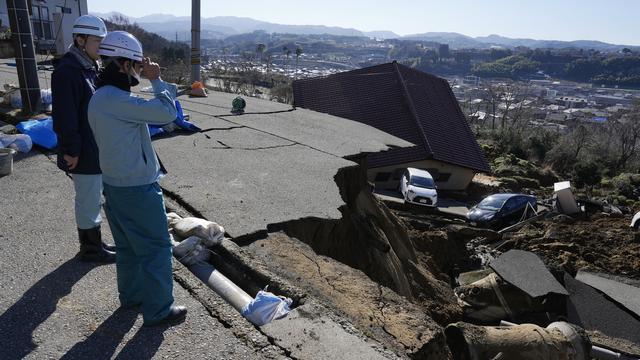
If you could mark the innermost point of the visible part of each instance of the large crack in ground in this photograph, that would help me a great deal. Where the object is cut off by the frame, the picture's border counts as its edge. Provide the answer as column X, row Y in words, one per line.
column 227, row 147
column 368, row 238
column 220, row 311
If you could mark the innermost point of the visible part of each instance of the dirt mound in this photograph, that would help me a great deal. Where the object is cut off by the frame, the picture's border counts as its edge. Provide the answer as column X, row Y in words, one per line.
column 601, row 242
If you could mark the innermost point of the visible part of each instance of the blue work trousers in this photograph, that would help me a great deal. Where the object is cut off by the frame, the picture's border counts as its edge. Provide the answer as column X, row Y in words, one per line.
column 138, row 223
column 88, row 197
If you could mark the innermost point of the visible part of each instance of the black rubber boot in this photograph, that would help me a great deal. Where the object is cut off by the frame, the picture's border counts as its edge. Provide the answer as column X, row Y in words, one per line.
column 92, row 248
column 176, row 315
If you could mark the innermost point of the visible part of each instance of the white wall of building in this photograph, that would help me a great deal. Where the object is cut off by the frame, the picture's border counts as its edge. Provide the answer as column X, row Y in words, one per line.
column 457, row 177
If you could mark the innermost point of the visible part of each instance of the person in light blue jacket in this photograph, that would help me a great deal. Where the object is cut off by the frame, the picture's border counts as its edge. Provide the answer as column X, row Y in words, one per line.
column 130, row 172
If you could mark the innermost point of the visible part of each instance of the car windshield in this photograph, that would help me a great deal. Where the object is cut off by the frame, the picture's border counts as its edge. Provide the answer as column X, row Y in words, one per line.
column 422, row 182
column 493, row 203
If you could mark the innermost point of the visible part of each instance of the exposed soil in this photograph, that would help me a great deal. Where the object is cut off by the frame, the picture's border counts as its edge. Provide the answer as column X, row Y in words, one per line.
column 376, row 310
column 601, row 242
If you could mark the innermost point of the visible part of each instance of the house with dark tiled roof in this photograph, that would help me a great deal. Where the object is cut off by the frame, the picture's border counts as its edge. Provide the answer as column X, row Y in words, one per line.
column 407, row 103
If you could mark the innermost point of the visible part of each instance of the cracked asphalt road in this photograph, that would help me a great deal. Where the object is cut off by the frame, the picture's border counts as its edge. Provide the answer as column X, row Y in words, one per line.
column 271, row 165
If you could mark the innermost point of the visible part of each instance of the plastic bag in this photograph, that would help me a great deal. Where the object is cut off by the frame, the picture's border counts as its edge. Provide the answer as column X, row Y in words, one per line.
column 16, row 100
column 40, row 131
column 20, row 142
column 46, row 96
column 266, row 307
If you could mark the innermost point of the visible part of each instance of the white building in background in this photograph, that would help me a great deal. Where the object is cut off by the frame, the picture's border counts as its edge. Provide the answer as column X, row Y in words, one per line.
column 50, row 20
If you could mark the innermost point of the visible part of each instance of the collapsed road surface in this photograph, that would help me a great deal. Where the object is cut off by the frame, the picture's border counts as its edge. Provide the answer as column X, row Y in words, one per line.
column 287, row 185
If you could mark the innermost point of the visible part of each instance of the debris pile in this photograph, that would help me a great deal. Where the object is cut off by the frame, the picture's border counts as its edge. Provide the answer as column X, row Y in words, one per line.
column 581, row 268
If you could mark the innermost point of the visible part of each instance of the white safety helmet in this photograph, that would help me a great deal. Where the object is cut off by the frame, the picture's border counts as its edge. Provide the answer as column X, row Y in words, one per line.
column 89, row 25
column 121, row 44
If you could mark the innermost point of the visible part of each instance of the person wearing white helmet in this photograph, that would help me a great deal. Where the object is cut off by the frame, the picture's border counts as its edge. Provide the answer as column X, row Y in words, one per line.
column 72, row 85
column 130, row 172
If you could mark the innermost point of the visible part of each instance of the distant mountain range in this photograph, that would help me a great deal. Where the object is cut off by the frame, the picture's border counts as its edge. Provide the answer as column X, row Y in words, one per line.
column 170, row 27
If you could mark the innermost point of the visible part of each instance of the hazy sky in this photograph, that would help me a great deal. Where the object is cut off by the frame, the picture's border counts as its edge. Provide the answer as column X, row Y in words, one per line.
column 614, row 21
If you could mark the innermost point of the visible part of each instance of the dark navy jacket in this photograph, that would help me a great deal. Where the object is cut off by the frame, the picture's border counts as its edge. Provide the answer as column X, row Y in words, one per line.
column 72, row 87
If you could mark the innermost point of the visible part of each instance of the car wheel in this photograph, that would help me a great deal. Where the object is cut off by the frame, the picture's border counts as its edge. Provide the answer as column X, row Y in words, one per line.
column 636, row 226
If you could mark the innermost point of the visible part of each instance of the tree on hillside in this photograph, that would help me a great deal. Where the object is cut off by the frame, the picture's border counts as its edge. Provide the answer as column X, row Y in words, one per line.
column 287, row 53
column 586, row 173
column 628, row 130
column 260, row 51
column 298, row 54
column 119, row 19
column 571, row 149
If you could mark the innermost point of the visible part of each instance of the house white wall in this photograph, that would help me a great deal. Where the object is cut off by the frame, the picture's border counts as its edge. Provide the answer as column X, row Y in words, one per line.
column 447, row 176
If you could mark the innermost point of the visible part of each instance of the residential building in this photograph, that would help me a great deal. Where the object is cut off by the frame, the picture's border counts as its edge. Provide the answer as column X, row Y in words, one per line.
column 610, row 100
column 407, row 103
column 571, row 102
column 43, row 21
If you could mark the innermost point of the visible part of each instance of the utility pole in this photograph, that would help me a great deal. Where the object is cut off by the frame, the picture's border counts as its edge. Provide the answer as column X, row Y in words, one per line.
column 195, row 40
column 20, row 23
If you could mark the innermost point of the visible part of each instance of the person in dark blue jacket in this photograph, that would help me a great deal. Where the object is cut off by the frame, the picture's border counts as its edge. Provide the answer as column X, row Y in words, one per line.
column 72, row 86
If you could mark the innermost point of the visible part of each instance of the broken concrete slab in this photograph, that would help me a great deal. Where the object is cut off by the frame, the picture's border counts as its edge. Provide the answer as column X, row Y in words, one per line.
column 526, row 271
column 246, row 190
column 274, row 168
column 311, row 334
column 334, row 135
column 589, row 309
column 625, row 294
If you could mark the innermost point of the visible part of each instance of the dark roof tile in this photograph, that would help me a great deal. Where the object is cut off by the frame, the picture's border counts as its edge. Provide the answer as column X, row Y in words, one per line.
column 404, row 102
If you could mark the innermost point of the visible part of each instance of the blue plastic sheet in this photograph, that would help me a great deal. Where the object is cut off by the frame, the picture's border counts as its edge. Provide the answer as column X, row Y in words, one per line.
column 40, row 132
column 180, row 122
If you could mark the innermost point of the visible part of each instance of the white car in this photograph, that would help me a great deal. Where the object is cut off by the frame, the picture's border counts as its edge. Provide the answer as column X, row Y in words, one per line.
column 417, row 187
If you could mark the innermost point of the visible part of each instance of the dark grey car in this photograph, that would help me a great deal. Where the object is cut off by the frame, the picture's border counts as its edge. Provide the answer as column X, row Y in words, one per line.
column 501, row 210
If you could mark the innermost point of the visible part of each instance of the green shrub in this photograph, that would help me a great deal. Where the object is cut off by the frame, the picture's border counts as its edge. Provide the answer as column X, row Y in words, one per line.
column 586, row 173
column 524, row 182
column 622, row 185
column 510, row 183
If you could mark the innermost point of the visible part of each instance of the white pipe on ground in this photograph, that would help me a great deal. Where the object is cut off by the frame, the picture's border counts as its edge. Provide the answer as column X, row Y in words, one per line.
column 224, row 287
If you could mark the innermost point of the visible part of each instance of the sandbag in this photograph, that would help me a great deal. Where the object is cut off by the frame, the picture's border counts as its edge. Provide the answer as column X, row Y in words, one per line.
column 266, row 307
column 210, row 232
column 19, row 142
column 191, row 251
